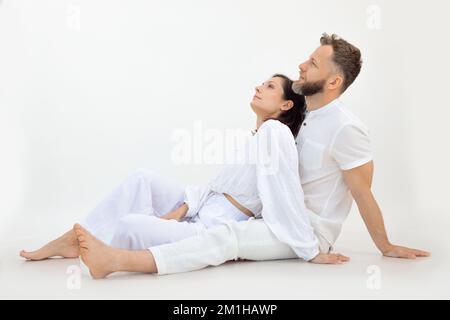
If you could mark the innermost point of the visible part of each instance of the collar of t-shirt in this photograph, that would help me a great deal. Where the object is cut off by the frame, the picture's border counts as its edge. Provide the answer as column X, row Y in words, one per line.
column 323, row 110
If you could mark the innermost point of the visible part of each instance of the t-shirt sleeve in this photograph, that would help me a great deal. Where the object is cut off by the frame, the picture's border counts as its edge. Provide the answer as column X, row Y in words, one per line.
column 352, row 147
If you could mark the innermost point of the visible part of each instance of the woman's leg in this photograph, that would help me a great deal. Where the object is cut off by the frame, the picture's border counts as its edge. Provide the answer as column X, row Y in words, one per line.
column 142, row 192
column 65, row 246
column 139, row 232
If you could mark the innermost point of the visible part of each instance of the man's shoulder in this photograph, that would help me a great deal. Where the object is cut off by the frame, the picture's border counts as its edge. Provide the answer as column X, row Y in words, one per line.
column 344, row 117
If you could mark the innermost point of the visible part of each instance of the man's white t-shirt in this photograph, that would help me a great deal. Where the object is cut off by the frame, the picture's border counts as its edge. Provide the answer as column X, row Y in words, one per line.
column 331, row 139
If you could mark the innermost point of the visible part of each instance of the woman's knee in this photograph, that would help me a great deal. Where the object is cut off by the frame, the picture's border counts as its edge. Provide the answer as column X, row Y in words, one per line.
column 127, row 230
column 132, row 223
column 142, row 172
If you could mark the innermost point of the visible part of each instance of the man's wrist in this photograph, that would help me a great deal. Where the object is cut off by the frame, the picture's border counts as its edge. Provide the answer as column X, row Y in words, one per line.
column 384, row 246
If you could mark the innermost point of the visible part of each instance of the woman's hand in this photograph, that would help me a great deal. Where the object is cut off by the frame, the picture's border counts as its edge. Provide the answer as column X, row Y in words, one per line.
column 176, row 214
column 330, row 258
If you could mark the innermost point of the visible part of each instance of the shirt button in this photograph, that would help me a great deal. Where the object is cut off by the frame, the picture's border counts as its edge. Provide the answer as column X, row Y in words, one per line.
column 304, row 123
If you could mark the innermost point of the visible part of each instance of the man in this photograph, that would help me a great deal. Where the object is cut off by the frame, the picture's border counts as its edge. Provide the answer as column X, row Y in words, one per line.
column 336, row 168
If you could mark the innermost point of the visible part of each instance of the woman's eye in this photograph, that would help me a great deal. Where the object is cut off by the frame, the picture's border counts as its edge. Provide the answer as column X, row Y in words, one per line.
column 270, row 86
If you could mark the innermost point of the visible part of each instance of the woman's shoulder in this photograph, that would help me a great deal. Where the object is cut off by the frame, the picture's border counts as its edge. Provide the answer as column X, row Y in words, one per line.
column 274, row 125
column 275, row 129
column 280, row 135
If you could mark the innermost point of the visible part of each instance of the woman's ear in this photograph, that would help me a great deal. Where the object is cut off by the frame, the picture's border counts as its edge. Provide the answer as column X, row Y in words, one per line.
column 287, row 105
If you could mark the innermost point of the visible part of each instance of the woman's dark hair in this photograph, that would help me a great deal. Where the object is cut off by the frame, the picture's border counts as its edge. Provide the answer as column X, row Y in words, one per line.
column 293, row 117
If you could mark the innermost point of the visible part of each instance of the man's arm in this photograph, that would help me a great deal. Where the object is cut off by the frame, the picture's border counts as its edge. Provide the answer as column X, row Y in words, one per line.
column 359, row 180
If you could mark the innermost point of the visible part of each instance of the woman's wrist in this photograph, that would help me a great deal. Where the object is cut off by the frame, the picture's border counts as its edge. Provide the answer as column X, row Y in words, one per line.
column 183, row 210
column 177, row 214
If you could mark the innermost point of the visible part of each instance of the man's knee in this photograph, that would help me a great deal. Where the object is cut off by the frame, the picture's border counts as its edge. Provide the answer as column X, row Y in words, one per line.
column 224, row 239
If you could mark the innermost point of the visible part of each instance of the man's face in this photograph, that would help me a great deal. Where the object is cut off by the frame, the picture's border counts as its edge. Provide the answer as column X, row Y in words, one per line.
column 314, row 72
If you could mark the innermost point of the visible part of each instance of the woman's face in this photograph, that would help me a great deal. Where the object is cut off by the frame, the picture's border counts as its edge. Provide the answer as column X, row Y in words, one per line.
column 268, row 99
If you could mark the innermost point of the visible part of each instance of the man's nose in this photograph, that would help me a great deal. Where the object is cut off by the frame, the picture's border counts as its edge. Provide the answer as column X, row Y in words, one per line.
column 303, row 66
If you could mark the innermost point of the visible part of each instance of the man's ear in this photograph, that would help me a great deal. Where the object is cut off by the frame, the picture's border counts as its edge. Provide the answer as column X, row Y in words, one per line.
column 336, row 82
column 287, row 105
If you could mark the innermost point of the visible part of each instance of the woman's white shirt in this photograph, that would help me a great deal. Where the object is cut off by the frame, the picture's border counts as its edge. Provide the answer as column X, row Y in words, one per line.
column 263, row 177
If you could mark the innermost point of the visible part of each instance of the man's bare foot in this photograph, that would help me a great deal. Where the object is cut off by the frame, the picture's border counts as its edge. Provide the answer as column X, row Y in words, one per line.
column 100, row 258
column 330, row 258
column 65, row 246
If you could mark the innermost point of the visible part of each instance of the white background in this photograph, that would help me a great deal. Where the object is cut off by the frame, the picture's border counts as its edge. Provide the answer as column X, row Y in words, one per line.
column 92, row 90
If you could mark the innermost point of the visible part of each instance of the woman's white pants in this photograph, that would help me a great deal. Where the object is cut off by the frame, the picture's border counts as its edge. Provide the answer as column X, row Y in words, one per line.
column 128, row 217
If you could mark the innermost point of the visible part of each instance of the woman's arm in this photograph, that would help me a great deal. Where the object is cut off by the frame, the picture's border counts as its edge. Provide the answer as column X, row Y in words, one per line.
column 176, row 214
column 194, row 197
column 280, row 190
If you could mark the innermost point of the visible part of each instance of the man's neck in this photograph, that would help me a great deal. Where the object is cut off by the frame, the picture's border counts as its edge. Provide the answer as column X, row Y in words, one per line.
column 318, row 101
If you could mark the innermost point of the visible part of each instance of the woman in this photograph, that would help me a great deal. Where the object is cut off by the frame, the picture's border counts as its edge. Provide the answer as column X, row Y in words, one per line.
column 147, row 210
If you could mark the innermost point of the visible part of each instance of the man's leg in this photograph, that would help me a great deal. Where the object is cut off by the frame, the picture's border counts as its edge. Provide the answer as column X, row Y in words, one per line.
column 102, row 259
column 249, row 240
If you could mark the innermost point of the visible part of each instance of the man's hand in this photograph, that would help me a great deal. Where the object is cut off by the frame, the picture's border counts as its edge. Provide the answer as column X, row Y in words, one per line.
column 404, row 253
column 359, row 181
column 330, row 258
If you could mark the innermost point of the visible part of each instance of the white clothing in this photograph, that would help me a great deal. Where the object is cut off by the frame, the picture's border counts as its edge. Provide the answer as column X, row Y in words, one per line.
column 217, row 210
column 265, row 180
column 264, row 177
column 331, row 140
column 139, row 231
column 128, row 217
column 142, row 192
column 245, row 240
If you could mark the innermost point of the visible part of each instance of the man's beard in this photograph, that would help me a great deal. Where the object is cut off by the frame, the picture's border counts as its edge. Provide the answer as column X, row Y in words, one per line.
column 308, row 88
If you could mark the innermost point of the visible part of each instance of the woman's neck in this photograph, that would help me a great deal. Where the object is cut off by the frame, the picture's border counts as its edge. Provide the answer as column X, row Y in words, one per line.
column 261, row 119
column 259, row 122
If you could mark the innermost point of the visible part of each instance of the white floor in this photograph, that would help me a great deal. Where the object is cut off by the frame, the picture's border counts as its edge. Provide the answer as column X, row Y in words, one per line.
column 367, row 276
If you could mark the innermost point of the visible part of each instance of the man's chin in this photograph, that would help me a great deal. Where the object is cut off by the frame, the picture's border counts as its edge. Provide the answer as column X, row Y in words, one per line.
column 297, row 86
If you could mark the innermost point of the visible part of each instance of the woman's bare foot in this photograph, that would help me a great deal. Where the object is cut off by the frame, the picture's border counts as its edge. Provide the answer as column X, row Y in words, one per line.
column 65, row 246
column 100, row 258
